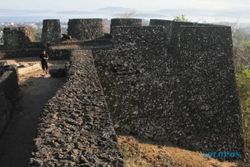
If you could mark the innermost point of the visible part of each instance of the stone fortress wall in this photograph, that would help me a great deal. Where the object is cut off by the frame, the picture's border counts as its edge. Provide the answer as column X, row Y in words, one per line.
column 207, row 89
column 116, row 22
column 170, row 81
column 19, row 42
column 173, row 81
column 51, row 31
column 85, row 29
column 18, row 37
column 75, row 127
column 8, row 94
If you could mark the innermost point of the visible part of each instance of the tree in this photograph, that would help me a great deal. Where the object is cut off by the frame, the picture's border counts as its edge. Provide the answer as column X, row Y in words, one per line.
column 181, row 18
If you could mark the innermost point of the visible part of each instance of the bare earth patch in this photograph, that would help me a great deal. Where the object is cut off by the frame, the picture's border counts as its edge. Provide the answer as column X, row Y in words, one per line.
column 31, row 67
column 138, row 154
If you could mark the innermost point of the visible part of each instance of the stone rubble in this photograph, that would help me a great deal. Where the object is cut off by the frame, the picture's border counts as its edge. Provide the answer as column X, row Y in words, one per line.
column 75, row 128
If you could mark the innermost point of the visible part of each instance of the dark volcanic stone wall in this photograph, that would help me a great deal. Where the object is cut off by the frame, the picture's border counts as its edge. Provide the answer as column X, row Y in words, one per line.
column 62, row 54
column 75, row 127
column 5, row 111
column 8, row 90
column 207, row 98
column 18, row 37
column 9, row 82
column 138, row 80
column 175, row 32
column 187, row 97
column 124, row 22
column 85, row 29
column 51, row 31
column 172, row 31
column 168, row 28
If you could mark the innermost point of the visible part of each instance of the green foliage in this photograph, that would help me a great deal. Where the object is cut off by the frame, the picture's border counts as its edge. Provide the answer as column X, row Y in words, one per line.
column 239, row 36
column 246, row 45
column 243, row 83
column 181, row 18
column 243, row 80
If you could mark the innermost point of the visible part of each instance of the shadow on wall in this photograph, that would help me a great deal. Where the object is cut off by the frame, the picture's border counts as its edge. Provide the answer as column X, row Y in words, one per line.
column 17, row 143
column 77, row 119
column 8, row 94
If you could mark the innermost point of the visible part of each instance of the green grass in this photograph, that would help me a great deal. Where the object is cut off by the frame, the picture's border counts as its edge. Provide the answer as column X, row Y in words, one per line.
column 243, row 84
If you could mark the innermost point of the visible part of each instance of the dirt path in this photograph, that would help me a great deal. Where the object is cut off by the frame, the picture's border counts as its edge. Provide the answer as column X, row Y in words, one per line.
column 17, row 143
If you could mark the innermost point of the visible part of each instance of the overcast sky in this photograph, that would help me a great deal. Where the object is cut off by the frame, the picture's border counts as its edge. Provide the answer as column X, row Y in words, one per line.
column 195, row 10
column 144, row 5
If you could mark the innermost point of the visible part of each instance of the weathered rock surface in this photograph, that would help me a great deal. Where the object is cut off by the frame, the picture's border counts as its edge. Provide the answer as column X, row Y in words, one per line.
column 187, row 97
column 18, row 37
column 124, row 22
column 207, row 93
column 85, row 29
column 51, row 31
column 75, row 128
column 8, row 94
